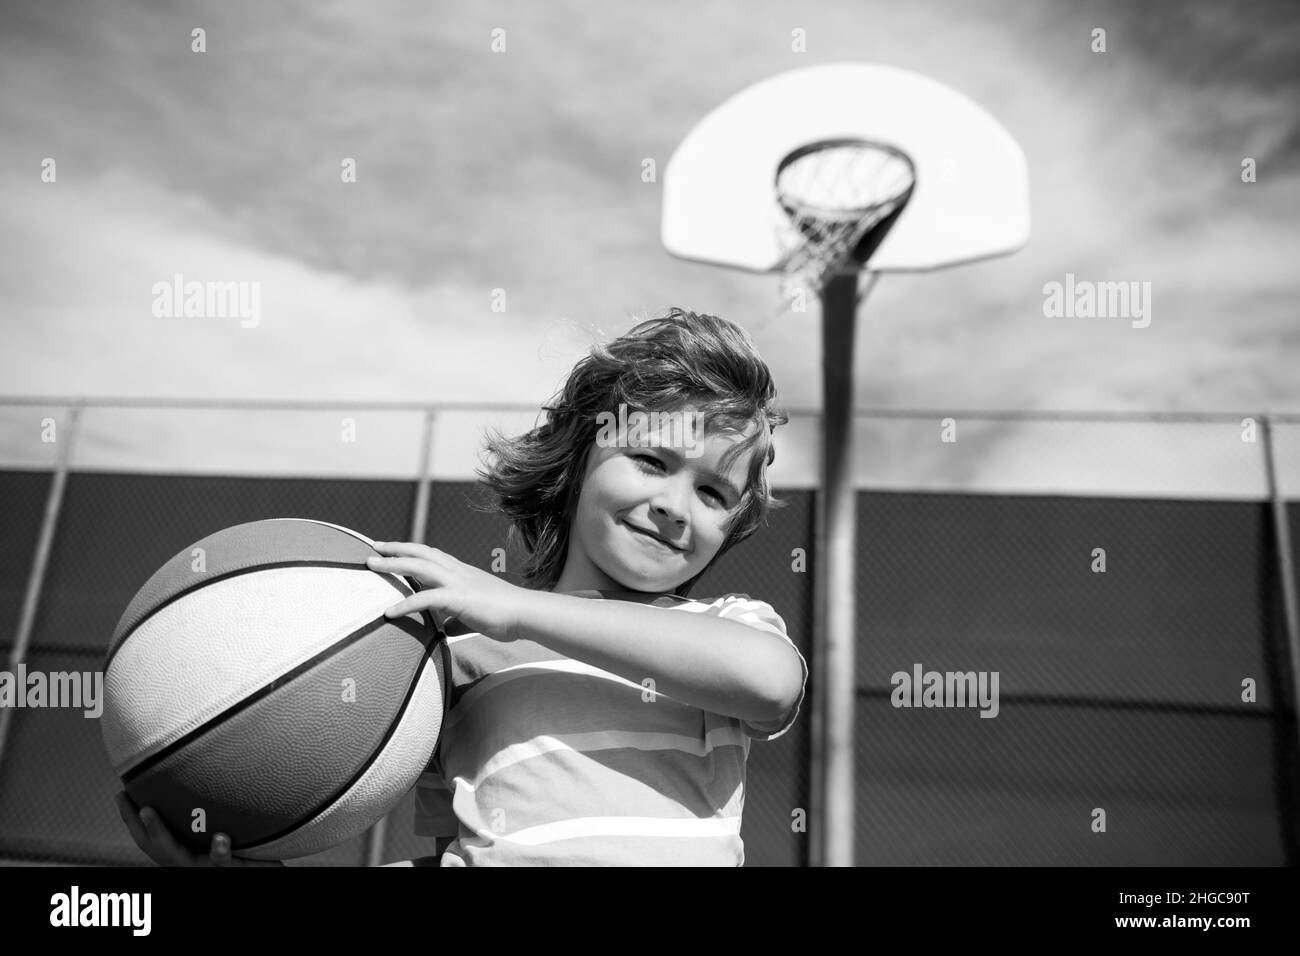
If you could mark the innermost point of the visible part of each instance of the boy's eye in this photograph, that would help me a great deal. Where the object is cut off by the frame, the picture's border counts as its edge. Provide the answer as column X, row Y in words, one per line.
column 660, row 465
column 721, row 500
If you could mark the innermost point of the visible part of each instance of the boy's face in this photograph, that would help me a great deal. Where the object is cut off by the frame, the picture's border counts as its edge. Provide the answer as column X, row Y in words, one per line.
column 652, row 516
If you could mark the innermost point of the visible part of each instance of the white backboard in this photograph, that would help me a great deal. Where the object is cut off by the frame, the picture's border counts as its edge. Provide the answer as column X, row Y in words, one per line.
column 970, row 201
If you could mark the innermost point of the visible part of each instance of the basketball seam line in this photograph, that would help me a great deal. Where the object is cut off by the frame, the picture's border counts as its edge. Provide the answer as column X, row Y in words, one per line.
column 247, row 701
column 393, row 724
column 226, row 575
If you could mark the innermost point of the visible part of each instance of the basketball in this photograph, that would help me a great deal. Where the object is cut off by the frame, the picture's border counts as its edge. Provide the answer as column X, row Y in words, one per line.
column 253, row 687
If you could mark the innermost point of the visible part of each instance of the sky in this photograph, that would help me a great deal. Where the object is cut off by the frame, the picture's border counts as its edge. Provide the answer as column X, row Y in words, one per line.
column 521, row 171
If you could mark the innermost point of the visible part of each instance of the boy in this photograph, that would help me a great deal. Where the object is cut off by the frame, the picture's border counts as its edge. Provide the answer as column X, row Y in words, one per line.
column 598, row 715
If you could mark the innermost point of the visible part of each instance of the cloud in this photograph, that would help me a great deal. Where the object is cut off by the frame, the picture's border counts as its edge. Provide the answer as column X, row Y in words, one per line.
column 521, row 171
column 81, row 316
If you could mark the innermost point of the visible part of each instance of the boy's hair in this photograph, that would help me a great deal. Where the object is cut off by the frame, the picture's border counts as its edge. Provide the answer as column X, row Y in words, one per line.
column 682, row 358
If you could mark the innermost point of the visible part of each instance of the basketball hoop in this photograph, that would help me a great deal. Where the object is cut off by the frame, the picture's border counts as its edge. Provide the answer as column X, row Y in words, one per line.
column 831, row 195
column 837, row 208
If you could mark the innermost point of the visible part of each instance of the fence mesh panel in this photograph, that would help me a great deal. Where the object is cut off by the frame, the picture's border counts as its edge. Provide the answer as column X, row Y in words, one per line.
column 1119, row 691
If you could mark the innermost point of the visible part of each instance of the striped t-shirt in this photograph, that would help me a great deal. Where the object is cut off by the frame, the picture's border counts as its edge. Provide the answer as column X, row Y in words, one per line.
column 544, row 760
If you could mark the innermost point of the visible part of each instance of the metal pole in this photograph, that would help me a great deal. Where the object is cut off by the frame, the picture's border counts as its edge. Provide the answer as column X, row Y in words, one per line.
column 41, row 560
column 820, row 833
column 373, row 852
column 1287, row 573
column 1285, row 559
column 837, row 516
column 420, row 517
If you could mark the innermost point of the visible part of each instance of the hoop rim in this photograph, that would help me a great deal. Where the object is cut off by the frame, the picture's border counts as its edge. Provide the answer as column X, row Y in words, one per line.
column 816, row 146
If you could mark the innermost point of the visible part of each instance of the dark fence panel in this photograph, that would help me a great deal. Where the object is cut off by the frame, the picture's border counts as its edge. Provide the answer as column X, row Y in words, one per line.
column 22, row 505
column 1119, row 690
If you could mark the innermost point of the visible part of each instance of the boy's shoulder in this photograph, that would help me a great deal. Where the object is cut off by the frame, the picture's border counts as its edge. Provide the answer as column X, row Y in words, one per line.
column 731, row 600
column 738, row 606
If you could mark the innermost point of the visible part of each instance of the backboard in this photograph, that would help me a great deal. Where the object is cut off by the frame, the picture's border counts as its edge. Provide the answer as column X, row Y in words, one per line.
column 970, row 200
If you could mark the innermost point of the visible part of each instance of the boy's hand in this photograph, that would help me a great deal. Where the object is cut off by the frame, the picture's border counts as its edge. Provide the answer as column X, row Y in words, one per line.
column 152, row 836
column 480, row 601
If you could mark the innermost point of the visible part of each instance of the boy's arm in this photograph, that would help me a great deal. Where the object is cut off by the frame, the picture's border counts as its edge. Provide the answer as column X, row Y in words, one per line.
column 718, row 665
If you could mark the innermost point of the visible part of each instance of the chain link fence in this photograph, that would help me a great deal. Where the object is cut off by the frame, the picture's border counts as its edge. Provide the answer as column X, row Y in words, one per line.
column 1125, row 627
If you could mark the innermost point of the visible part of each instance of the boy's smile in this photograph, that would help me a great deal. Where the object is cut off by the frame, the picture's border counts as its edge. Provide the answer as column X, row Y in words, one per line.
column 654, row 536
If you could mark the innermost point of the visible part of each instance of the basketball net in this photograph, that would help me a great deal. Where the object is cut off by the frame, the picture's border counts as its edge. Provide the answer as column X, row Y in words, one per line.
column 830, row 195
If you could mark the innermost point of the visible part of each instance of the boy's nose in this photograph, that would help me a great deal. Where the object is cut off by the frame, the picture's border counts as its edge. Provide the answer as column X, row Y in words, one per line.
column 669, row 509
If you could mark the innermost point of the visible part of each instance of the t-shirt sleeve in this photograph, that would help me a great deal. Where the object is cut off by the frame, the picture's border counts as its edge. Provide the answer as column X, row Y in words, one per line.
column 761, row 615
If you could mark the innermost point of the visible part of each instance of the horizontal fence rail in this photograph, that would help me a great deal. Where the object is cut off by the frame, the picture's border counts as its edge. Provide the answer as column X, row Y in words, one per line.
column 1046, row 415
